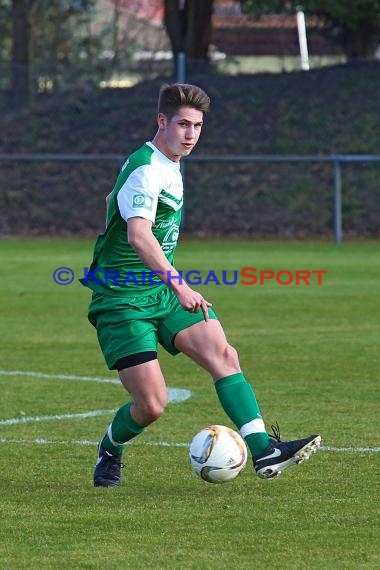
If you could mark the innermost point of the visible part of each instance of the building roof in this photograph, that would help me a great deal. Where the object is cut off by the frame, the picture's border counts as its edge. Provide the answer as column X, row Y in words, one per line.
column 268, row 21
column 226, row 14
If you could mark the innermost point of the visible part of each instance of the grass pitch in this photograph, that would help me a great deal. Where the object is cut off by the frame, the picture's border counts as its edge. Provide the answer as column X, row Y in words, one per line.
column 312, row 353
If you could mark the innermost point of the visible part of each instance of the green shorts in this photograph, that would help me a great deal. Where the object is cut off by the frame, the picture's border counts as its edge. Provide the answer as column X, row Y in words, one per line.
column 131, row 325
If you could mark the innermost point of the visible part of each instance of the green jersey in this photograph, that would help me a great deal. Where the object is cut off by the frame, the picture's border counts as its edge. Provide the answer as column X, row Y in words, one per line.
column 149, row 186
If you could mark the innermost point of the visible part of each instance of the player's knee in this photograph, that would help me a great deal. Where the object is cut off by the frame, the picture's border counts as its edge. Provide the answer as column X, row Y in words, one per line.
column 230, row 357
column 153, row 409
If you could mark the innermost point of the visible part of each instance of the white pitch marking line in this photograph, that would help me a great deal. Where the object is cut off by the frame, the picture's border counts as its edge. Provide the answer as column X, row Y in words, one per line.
column 58, row 376
column 351, row 449
column 42, row 441
column 85, row 442
column 176, row 395
column 28, row 419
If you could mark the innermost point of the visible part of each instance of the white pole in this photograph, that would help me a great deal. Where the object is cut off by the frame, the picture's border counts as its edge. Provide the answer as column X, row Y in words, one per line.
column 302, row 39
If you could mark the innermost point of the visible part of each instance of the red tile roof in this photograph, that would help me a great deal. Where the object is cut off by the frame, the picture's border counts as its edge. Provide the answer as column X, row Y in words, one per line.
column 227, row 14
column 144, row 9
column 267, row 21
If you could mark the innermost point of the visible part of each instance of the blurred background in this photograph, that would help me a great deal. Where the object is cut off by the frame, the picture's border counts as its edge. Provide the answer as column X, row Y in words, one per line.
column 290, row 149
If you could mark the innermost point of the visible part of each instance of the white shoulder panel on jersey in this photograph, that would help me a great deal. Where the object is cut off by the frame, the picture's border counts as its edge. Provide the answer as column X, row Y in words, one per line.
column 139, row 194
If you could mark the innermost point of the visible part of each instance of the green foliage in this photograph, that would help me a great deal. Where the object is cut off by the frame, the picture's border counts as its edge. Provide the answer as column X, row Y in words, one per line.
column 5, row 30
column 349, row 13
column 348, row 16
column 61, row 32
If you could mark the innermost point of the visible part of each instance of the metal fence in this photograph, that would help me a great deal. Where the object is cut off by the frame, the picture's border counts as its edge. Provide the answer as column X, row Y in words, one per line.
column 335, row 161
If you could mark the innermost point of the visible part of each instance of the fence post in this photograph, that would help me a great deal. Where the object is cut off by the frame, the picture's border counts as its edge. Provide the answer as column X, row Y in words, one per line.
column 181, row 78
column 337, row 201
column 181, row 67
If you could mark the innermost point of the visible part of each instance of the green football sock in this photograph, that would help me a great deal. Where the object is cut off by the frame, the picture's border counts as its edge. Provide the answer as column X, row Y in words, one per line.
column 239, row 402
column 122, row 429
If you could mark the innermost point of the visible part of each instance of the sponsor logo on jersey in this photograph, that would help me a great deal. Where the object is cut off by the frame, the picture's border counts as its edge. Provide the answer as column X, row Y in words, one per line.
column 142, row 201
column 170, row 239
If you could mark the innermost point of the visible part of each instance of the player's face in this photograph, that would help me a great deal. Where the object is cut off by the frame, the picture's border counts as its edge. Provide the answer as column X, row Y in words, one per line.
column 180, row 134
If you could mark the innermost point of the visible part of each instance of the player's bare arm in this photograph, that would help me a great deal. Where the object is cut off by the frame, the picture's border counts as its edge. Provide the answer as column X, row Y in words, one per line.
column 141, row 238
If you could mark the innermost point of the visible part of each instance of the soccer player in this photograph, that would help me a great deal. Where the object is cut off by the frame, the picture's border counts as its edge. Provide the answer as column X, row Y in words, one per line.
column 140, row 300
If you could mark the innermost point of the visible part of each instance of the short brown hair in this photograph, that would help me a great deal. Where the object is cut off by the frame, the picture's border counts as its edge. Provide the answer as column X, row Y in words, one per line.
column 177, row 95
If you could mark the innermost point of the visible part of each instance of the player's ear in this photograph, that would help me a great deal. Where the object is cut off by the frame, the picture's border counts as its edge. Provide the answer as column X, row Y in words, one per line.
column 161, row 120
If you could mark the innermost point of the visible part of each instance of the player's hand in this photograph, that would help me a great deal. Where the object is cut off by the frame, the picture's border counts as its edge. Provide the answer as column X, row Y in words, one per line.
column 192, row 301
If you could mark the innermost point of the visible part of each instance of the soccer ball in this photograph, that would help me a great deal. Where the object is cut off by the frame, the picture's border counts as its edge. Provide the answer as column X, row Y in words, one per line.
column 218, row 454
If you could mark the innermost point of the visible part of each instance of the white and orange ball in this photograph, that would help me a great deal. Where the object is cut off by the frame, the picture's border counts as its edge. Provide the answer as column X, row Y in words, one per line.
column 218, row 454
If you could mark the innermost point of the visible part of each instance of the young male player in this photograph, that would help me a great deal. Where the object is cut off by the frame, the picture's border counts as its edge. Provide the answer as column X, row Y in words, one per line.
column 134, row 309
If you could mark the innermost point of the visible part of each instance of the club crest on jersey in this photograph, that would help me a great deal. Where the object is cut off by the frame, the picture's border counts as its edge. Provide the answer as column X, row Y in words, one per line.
column 141, row 201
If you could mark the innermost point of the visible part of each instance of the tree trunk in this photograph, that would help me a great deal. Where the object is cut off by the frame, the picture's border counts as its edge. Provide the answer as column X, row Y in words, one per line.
column 188, row 25
column 115, row 32
column 20, row 52
column 173, row 21
column 198, row 35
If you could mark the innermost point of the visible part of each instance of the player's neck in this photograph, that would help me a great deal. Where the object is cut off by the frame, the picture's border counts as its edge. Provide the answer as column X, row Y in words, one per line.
column 159, row 142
